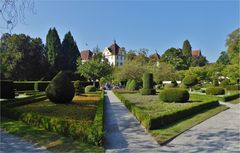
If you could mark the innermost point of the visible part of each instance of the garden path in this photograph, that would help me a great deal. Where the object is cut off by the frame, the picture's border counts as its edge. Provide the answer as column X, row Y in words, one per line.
column 12, row 144
column 123, row 131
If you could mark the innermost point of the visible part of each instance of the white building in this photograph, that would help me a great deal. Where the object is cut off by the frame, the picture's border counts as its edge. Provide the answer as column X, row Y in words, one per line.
column 114, row 54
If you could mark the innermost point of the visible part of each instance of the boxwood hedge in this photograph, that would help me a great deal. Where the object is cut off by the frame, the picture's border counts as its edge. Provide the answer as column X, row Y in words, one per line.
column 174, row 95
column 215, row 91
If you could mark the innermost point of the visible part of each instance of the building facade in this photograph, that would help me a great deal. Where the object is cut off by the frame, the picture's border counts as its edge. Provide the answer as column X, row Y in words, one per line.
column 85, row 55
column 114, row 54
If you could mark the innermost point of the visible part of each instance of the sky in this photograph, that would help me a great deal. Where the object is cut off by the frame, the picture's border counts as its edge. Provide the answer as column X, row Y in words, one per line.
column 155, row 25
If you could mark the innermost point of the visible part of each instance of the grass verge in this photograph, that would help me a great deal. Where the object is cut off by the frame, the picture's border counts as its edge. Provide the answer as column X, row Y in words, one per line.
column 236, row 101
column 167, row 133
column 52, row 141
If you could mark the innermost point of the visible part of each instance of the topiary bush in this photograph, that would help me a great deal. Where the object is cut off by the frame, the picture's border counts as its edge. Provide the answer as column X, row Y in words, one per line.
column 225, row 83
column 148, row 84
column 189, row 81
column 128, row 83
column 7, row 91
column 174, row 95
column 60, row 89
column 215, row 91
column 132, row 85
column 90, row 89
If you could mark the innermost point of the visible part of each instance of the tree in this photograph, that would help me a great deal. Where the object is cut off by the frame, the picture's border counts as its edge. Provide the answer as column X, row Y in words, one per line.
column 199, row 61
column 130, row 55
column 94, row 70
column 174, row 57
column 23, row 58
column 54, row 49
column 162, row 72
column 96, row 49
column 223, row 58
column 70, row 52
column 141, row 56
column 190, row 81
column 13, row 11
column 233, row 46
column 187, row 52
column 232, row 71
column 199, row 72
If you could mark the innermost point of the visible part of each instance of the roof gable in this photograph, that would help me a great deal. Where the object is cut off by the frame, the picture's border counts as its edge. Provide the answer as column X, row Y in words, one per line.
column 86, row 54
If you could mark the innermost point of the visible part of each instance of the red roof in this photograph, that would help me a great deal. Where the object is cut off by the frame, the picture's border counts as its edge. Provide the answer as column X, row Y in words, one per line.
column 114, row 48
column 86, row 54
column 196, row 53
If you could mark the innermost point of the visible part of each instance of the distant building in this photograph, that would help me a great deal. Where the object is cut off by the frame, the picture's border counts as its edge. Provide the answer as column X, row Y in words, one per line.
column 85, row 55
column 114, row 54
column 196, row 53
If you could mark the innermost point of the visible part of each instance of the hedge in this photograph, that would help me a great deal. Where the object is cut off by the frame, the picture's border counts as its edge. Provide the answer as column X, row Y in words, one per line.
column 174, row 95
column 7, row 91
column 90, row 89
column 168, row 117
column 215, row 91
column 90, row 133
column 230, row 97
column 232, row 87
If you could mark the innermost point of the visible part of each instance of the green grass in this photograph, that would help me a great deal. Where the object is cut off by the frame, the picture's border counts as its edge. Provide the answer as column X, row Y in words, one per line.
column 50, row 140
column 236, row 101
column 167, row 133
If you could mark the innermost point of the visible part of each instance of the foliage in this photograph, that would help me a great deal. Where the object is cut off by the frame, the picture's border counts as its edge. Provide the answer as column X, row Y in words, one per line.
column 174, row 95
column 230, row 97
column 199, row 61
column 215, row 82
column 78, row 88
column 22, row 57
column 187, row 52
column 102, row 81
column 190, row 81
column 224, row 83
column 232, row 71
column 130, row 55
column 162, row 72
column 233, row 43
column 133, row 85
column 199, row 72
column 223, row 59
column 215, row 91
column 60, row 89
column 89, row 89
column 174, row 57
column 170, row 85
column 70, row 53
column 148, row 84
column 7, row 91
column 94, row 69
column 128, row 83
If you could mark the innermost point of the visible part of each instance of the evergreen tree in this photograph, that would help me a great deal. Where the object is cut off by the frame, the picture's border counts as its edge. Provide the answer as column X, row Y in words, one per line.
column 53, row 47
column 70, row 52
column 187, row 52
column 223, row 59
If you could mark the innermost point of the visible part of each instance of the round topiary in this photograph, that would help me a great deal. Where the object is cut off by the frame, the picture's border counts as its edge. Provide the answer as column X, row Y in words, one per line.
column 190, row 81
column 132, row 85
column 90, row 88
column 225, row 83
column 215, row 91
column 174, row 95
column 60, row 89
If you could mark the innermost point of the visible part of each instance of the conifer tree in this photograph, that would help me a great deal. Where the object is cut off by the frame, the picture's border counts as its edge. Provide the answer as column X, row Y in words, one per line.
column 187, row 52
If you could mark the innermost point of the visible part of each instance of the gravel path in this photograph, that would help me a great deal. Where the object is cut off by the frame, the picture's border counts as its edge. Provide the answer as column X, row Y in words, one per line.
column 12, row 144
column 123, row 131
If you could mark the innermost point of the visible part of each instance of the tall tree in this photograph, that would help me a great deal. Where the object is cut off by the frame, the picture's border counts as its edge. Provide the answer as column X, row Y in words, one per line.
column 53, row 47
column 223, row 58
column 233, row 46
column 187, row 52
column 199, row 61
column 70, row 52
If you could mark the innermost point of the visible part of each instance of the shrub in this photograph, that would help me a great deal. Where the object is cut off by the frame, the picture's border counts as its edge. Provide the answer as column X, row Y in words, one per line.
column 90, row 89
column 225, row 83
column 170, row 85
column 60, row 89
column 102, row 81
column 230, row 97
column 128, row 83
column 133, row 85
column 174, row 82
column 174, row 95
column 78, row 88
column 41, row 85
column 189, row 81
column 7, row 91
column 215, row 91
column 148, row 84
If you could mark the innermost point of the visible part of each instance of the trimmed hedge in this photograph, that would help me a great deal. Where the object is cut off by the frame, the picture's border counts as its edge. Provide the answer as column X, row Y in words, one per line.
column 230, row 97
column 90, row 89
column 174, row 95
column 147, row 84
column 215, row 91
column 7, row 91
column 148, row 91
column 168, row 117
column 90, row 133
column 232, row 87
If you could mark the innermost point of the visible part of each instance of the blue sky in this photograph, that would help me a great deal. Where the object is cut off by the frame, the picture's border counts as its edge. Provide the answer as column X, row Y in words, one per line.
column 138, row 24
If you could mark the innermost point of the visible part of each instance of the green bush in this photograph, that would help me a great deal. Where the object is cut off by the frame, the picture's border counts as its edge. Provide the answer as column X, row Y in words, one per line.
column 224, row 83
column 174, row 82
column 132, row 85
column 230, row 97
column 170, row 85
column 174, row 95
column 215, row 82
column 60, row 89
column 41, row 85
column 7, row 91
column 102, row 81
column 128, row 83
column 232, row 87
column 90, row 89
column 78, row 89
column 215, row 91
column 148, row 84
column 189, row 81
